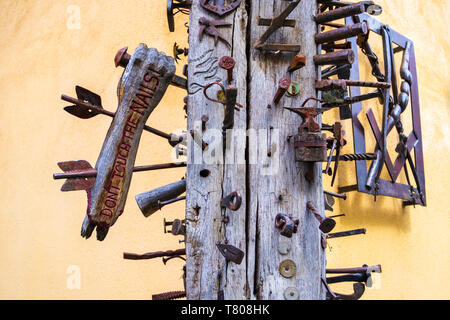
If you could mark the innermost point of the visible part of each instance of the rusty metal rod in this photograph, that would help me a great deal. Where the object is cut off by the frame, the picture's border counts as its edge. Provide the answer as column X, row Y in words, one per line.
column 325, row 85
column 153, row 255
column 340, row 13
column 363, row 269
column 336, row 195
column 165, row 203
column 169, row 295
column 341, row 57
column 342, row 33
column 346, row 233
column 356, row 157
column 333, row 46
column 172, row 138
column 356, row 99
column 355, row 277
column 279, row 47
column 93, row 173
column 337, row 216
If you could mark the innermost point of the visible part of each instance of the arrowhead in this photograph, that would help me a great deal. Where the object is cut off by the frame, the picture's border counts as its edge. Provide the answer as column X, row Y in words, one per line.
column 89, row 96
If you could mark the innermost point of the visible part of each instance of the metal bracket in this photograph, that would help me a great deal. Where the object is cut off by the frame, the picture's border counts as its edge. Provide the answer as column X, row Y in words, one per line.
column 390, row 188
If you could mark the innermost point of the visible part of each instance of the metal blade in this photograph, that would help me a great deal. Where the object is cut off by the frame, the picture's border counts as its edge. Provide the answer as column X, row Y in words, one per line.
column 231, row 253
column 89, row 96
column 77, row 183
column 81, row 112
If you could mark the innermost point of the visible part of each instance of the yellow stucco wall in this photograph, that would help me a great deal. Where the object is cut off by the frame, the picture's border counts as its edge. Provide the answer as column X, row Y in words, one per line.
column 42, row 56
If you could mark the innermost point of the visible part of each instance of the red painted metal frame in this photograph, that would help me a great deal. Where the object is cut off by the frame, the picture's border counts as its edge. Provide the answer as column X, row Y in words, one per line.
column 386, row 188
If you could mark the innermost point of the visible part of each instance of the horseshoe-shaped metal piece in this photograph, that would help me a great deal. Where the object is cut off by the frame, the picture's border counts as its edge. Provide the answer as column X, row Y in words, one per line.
column 219, row 6
column 358, row 291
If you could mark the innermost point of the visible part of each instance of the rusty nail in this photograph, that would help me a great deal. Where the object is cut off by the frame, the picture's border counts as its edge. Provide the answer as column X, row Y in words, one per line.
column 228, row 64
column 346, row 233
column 336, row 195
column 153, row 255
column 122, row 58
column 283, row 86
column 298, row 62
column 326, row 224
column 337, row 216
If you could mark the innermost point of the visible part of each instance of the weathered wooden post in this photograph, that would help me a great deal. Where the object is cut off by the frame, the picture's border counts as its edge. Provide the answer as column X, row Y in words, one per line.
column 258, row 160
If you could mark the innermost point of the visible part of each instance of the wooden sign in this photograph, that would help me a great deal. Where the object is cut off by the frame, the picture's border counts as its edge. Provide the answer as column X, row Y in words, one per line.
column 140, row 89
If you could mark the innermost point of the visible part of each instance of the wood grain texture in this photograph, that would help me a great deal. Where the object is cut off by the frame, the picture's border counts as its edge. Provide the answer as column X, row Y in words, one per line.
column 270, row 180
column 140, row 89
column 289, row 179
column 207, row 270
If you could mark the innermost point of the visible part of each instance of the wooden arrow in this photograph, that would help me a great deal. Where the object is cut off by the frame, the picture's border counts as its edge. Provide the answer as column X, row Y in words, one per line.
column 89, row 104
column 81, row 176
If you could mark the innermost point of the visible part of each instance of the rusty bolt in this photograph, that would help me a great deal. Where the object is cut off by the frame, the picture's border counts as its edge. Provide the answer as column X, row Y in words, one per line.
column 298, row 62
column 287, row 224
column 228, row 64
column 122, row 58
column 283, row 85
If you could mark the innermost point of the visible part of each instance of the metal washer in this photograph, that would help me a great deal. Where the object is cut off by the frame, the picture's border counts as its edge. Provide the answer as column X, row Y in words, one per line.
column 284, row 247
column 288, row 268
column 291, row 293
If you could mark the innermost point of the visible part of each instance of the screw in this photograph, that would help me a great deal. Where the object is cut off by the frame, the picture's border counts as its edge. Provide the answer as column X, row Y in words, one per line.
column 228, row 64
column 283, row 85
column 122, row 58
